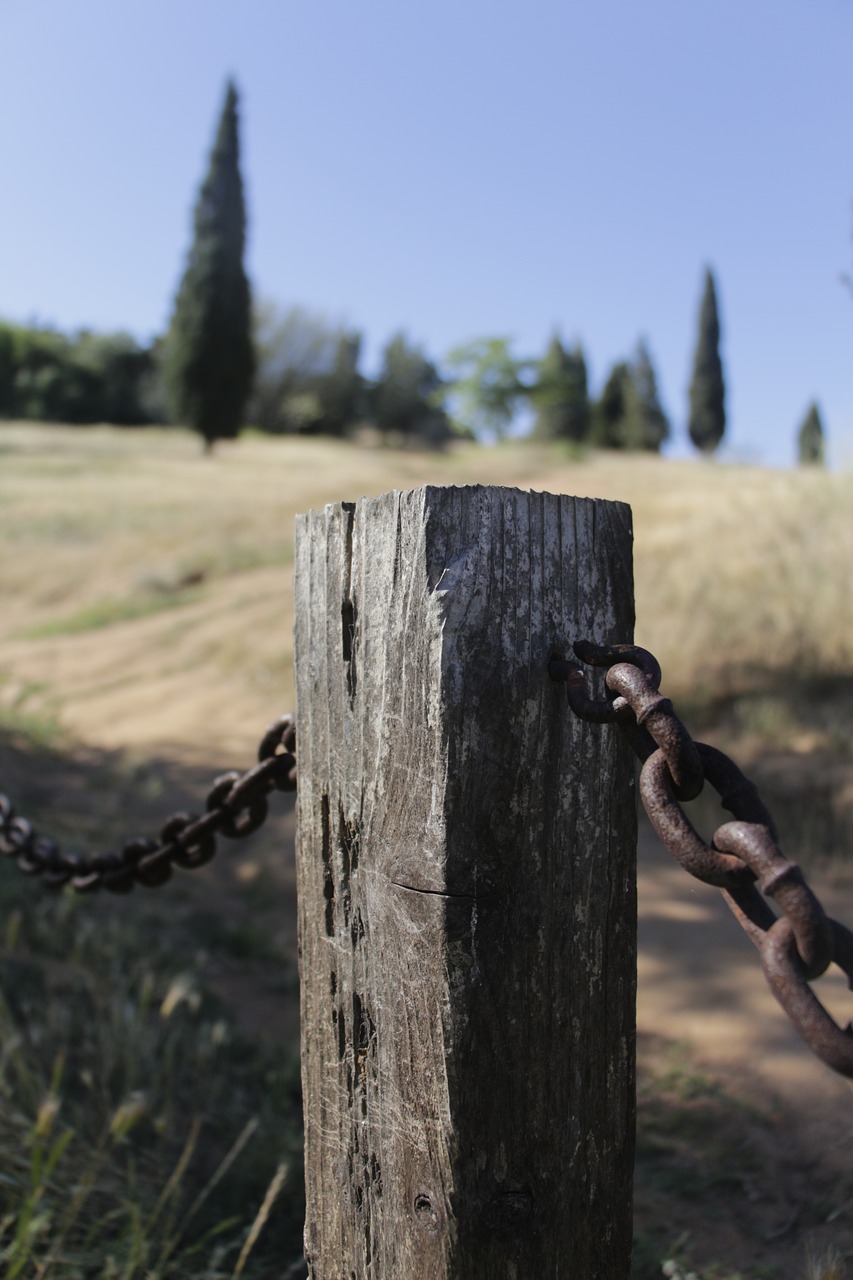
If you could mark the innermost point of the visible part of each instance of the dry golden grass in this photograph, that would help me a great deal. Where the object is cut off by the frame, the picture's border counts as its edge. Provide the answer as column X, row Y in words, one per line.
column 148, row 589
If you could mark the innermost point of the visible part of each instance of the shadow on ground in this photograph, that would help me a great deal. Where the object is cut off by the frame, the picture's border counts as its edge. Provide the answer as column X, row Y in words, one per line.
column 241, row 907
column 743, row 1142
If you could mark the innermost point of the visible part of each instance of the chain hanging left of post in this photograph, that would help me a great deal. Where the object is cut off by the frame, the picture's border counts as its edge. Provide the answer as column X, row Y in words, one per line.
column 236, row 806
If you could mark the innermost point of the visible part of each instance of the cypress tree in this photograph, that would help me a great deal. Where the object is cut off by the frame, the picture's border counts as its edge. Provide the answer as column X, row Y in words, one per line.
column 810, row 439
column 707, row 390
column 560, row 395
column 210, row 358
column 609, row 411
column 645, row 425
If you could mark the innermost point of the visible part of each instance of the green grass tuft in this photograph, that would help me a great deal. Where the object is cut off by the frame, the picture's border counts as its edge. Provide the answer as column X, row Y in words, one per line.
column 139, row 1131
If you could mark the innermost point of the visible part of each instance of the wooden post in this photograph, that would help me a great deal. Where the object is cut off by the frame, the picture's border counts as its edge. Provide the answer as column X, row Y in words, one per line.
column 466, row 879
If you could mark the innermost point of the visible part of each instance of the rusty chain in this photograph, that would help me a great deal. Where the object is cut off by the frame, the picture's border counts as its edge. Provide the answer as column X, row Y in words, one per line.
column 236, row 806
column 743, row 860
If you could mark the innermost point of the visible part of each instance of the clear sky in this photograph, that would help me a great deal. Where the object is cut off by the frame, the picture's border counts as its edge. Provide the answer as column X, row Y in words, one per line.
column 459, row 168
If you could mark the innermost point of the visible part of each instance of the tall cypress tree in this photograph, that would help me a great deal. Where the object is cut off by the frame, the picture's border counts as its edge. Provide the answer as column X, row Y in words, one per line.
column 210, row 358
column 707, row 389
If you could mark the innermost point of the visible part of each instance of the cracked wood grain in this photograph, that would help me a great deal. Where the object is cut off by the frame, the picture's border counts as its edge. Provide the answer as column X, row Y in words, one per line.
column 466, row 877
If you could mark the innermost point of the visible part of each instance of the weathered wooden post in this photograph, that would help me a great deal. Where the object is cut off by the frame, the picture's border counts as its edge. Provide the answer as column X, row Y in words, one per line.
column 466, row 890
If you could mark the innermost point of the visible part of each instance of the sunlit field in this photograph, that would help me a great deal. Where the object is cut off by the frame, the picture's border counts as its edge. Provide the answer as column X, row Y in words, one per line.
column 149, row 1096
column 148, row 589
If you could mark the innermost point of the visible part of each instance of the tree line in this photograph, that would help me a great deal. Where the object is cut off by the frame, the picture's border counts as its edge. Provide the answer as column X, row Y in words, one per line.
column 85, row 377
column 307, row 380
column 225, row 362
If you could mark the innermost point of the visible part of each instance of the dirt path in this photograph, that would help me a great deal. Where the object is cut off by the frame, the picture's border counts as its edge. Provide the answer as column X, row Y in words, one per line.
column 699, row 980
column 784, row 1121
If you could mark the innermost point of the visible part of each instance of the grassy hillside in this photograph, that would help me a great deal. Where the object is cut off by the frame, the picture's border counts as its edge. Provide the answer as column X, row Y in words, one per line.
column 150, row 597
column 149, row 589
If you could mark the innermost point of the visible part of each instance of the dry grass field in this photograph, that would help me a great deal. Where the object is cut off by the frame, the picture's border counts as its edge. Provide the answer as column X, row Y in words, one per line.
column 148, row 590
column 145, row 642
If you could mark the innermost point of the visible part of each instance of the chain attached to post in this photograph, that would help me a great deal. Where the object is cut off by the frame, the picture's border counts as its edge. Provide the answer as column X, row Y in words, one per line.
column 743, row 860
column 236, row 806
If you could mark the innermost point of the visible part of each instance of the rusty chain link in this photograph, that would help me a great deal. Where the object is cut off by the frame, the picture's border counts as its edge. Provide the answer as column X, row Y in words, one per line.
column 236, row 806
column 743, row 860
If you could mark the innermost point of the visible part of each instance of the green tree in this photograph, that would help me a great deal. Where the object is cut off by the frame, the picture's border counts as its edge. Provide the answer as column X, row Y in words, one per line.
column 707, row 389
column 7, row 370
column 107, row 379
column 560, row 394
column 340, row 391
column 40, row 361
column 210, row 357
column 88, row 377
column 609, row 411
column 405, row 399
column 489, row 383
column 295, row 349
column 810, row 439
column 645, row 425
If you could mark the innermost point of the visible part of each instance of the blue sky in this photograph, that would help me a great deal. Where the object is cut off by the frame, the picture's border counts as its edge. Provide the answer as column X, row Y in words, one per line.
column 459, row 169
